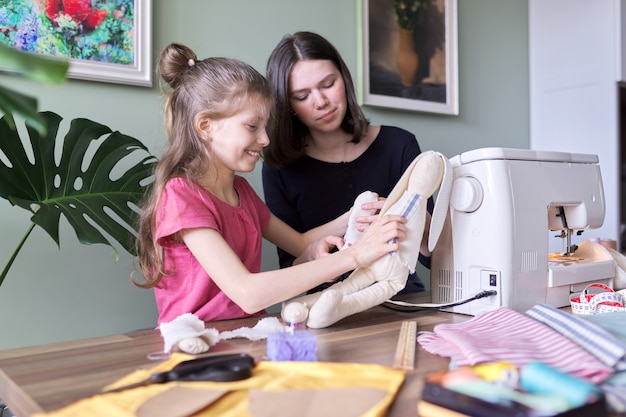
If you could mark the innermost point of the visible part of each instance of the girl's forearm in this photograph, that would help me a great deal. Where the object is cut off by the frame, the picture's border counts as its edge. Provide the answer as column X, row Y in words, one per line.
column 273, row 287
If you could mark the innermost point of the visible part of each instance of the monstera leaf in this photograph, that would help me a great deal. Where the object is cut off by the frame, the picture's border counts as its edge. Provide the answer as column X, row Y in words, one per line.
column 96, row 184
column 36, row 67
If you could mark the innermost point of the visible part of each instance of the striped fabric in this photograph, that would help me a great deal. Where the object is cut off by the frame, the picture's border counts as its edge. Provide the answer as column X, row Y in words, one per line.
column 611, row 322
column 410, row 205
column 406, row 207
column 504, row 335
column 595, row 340
column 614, row 390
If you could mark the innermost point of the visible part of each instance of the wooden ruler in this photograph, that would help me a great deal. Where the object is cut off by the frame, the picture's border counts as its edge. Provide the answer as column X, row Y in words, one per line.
column 405, row 350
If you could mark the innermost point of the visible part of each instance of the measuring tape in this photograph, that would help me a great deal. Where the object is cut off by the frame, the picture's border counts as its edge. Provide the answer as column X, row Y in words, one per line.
column 606, row 301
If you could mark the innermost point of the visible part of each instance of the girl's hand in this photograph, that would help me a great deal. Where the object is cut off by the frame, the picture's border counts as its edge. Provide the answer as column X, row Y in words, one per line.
column 364, row 221
column 380, row 238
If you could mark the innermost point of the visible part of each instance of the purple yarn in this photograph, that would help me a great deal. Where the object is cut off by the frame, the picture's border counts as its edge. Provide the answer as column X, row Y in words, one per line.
column 300, row 345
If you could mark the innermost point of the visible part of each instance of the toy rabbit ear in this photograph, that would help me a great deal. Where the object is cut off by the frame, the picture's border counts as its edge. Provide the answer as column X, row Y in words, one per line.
column 441, row 204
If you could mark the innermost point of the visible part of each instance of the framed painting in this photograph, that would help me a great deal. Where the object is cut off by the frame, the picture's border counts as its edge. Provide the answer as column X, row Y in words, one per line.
column 410, row 55
column 104, row 40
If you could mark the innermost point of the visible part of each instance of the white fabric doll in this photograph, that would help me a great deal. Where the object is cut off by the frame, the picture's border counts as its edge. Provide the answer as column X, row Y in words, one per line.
column 371, row 286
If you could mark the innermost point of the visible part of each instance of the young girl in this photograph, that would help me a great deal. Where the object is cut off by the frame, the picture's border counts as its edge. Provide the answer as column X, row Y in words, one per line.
column 201, row 227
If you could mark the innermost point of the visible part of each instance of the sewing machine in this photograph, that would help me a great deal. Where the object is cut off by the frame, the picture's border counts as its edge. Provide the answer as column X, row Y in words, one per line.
column 505, row 206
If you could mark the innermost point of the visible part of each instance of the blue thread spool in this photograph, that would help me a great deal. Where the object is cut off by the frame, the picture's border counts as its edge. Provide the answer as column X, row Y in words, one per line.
column 539, row 378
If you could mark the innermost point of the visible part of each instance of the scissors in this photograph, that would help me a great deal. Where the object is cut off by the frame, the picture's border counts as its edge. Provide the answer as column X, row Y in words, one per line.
column 220, row 368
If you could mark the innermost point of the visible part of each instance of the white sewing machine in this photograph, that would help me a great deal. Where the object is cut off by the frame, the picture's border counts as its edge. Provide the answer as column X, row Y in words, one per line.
column 505, row 206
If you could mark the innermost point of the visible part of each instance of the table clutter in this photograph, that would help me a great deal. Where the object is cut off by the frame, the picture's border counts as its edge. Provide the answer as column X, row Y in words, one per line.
column 533, row 390
column 361, row 357
column 573, row 361
column 329, row 382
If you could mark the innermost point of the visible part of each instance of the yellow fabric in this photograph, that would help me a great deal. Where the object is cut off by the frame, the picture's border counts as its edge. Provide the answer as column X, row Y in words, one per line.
column 266, row 375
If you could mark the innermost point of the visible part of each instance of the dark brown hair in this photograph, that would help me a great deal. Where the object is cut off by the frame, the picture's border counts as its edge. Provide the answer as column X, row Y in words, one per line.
column 287, row 133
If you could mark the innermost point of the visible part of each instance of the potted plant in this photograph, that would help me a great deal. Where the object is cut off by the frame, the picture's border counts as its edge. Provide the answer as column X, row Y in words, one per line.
column 96, row 184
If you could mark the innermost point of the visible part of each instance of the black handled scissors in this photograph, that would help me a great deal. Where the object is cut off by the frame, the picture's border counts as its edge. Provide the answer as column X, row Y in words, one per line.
column 220, row 368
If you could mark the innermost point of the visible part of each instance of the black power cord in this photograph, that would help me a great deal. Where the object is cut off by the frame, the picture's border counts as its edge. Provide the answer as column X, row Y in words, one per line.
column 413, row 308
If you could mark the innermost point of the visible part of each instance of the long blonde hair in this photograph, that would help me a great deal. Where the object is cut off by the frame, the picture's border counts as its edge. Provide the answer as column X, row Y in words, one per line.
column 213, row 87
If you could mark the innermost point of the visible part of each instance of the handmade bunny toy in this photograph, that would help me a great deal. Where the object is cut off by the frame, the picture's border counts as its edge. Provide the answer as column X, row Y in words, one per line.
column 373, row 285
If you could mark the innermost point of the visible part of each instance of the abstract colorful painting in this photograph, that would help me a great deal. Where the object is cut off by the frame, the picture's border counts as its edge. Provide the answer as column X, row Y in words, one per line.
column 105, row 40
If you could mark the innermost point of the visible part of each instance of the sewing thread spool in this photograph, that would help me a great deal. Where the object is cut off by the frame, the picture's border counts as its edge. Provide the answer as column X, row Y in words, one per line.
column 539, row 378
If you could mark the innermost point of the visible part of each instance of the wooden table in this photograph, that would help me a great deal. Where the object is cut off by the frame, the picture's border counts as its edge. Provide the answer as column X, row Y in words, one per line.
column 47, row 377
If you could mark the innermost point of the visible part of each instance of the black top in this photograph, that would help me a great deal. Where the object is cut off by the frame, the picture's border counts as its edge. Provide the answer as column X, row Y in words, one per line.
column 311, row 192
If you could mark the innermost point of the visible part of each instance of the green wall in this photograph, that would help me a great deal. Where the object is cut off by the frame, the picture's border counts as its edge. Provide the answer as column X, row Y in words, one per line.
column 78, row 291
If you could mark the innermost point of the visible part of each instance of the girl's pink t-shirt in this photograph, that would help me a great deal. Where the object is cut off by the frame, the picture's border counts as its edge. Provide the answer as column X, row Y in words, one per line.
column 188, row 288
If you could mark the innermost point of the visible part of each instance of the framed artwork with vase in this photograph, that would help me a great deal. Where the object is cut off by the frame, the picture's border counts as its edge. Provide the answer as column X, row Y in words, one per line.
column 410, row 55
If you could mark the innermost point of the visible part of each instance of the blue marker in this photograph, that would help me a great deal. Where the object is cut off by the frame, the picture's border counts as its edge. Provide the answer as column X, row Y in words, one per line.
column 539, row 378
